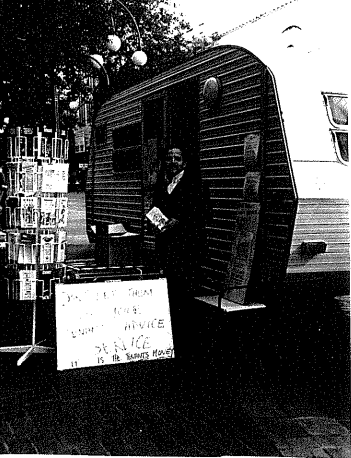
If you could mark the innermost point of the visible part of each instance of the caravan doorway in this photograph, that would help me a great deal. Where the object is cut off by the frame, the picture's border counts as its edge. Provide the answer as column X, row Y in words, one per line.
column 170, row 119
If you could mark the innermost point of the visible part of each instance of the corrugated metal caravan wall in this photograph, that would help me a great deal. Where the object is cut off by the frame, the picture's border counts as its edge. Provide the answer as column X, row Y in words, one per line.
column 280, row 202
column 118, row 197
column 222, row 164
column 326, row 220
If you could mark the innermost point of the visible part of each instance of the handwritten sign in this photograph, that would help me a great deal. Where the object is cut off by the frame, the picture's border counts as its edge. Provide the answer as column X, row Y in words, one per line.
column 110, row 323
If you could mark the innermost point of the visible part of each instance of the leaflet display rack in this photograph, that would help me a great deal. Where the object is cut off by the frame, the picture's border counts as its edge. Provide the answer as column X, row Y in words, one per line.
column 36, row 219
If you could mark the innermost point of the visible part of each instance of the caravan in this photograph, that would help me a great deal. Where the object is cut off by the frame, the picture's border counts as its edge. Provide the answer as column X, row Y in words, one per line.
column 266, row 123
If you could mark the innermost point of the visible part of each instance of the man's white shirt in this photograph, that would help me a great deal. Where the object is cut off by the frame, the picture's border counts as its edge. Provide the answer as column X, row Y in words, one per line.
column 174, row 182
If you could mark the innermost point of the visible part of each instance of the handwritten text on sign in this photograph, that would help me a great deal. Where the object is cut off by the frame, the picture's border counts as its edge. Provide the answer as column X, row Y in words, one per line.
column 108, row 323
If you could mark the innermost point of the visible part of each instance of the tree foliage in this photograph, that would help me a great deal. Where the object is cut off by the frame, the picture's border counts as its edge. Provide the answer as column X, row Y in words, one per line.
column 45, row 44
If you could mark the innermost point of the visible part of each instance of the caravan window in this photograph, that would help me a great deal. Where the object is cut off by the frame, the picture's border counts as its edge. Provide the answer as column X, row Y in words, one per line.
column 127, row 148
column 338, row 115
column 101, row 134
column 340, row 138
column 337, row 109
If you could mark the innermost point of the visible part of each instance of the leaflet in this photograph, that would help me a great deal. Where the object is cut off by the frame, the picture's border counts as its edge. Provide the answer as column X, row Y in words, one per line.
column 26, row 249
column 47, row 245
column 27, row 285
column 157, row 218
column 61, row 246
column 28, row 215
column 55, row 178
column 48, row 212
column 29, row 177
column 62, row 211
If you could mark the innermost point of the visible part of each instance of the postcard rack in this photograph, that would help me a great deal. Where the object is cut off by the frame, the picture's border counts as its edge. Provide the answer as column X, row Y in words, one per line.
column 36, row 212
column 36, row 218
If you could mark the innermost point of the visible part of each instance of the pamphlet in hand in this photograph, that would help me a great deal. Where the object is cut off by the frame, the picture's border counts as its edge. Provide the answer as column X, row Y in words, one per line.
column 157, row 217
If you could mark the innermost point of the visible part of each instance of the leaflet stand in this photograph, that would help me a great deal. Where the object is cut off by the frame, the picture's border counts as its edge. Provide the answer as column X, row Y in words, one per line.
column 58, row 255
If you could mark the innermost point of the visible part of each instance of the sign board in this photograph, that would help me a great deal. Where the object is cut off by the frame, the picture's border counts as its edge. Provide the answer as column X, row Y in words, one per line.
column 110, row 323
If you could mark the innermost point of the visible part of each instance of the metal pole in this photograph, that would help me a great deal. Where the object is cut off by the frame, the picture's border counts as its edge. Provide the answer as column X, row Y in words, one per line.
column 133, row 19
column 56, row 109
column 101, row 67
column 37, row 252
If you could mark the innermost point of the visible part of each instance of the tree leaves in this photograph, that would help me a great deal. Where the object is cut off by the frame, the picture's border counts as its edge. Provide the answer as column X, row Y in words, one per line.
column 42, row 39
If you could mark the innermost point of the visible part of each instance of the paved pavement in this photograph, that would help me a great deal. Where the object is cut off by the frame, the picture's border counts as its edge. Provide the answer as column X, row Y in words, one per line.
column 208, row 401
column 78, row 246
column 258, row 383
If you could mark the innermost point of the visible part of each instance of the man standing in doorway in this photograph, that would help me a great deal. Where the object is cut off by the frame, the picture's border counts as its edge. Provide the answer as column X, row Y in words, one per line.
column 180, row 195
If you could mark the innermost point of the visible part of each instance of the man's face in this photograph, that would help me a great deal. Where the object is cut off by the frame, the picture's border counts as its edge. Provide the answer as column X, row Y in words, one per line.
column 174, row 162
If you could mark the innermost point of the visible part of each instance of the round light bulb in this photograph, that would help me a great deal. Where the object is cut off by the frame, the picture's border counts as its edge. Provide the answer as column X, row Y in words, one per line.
column 97, row 61
column 139, row 58
column 74, row 104
column 113, row 43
